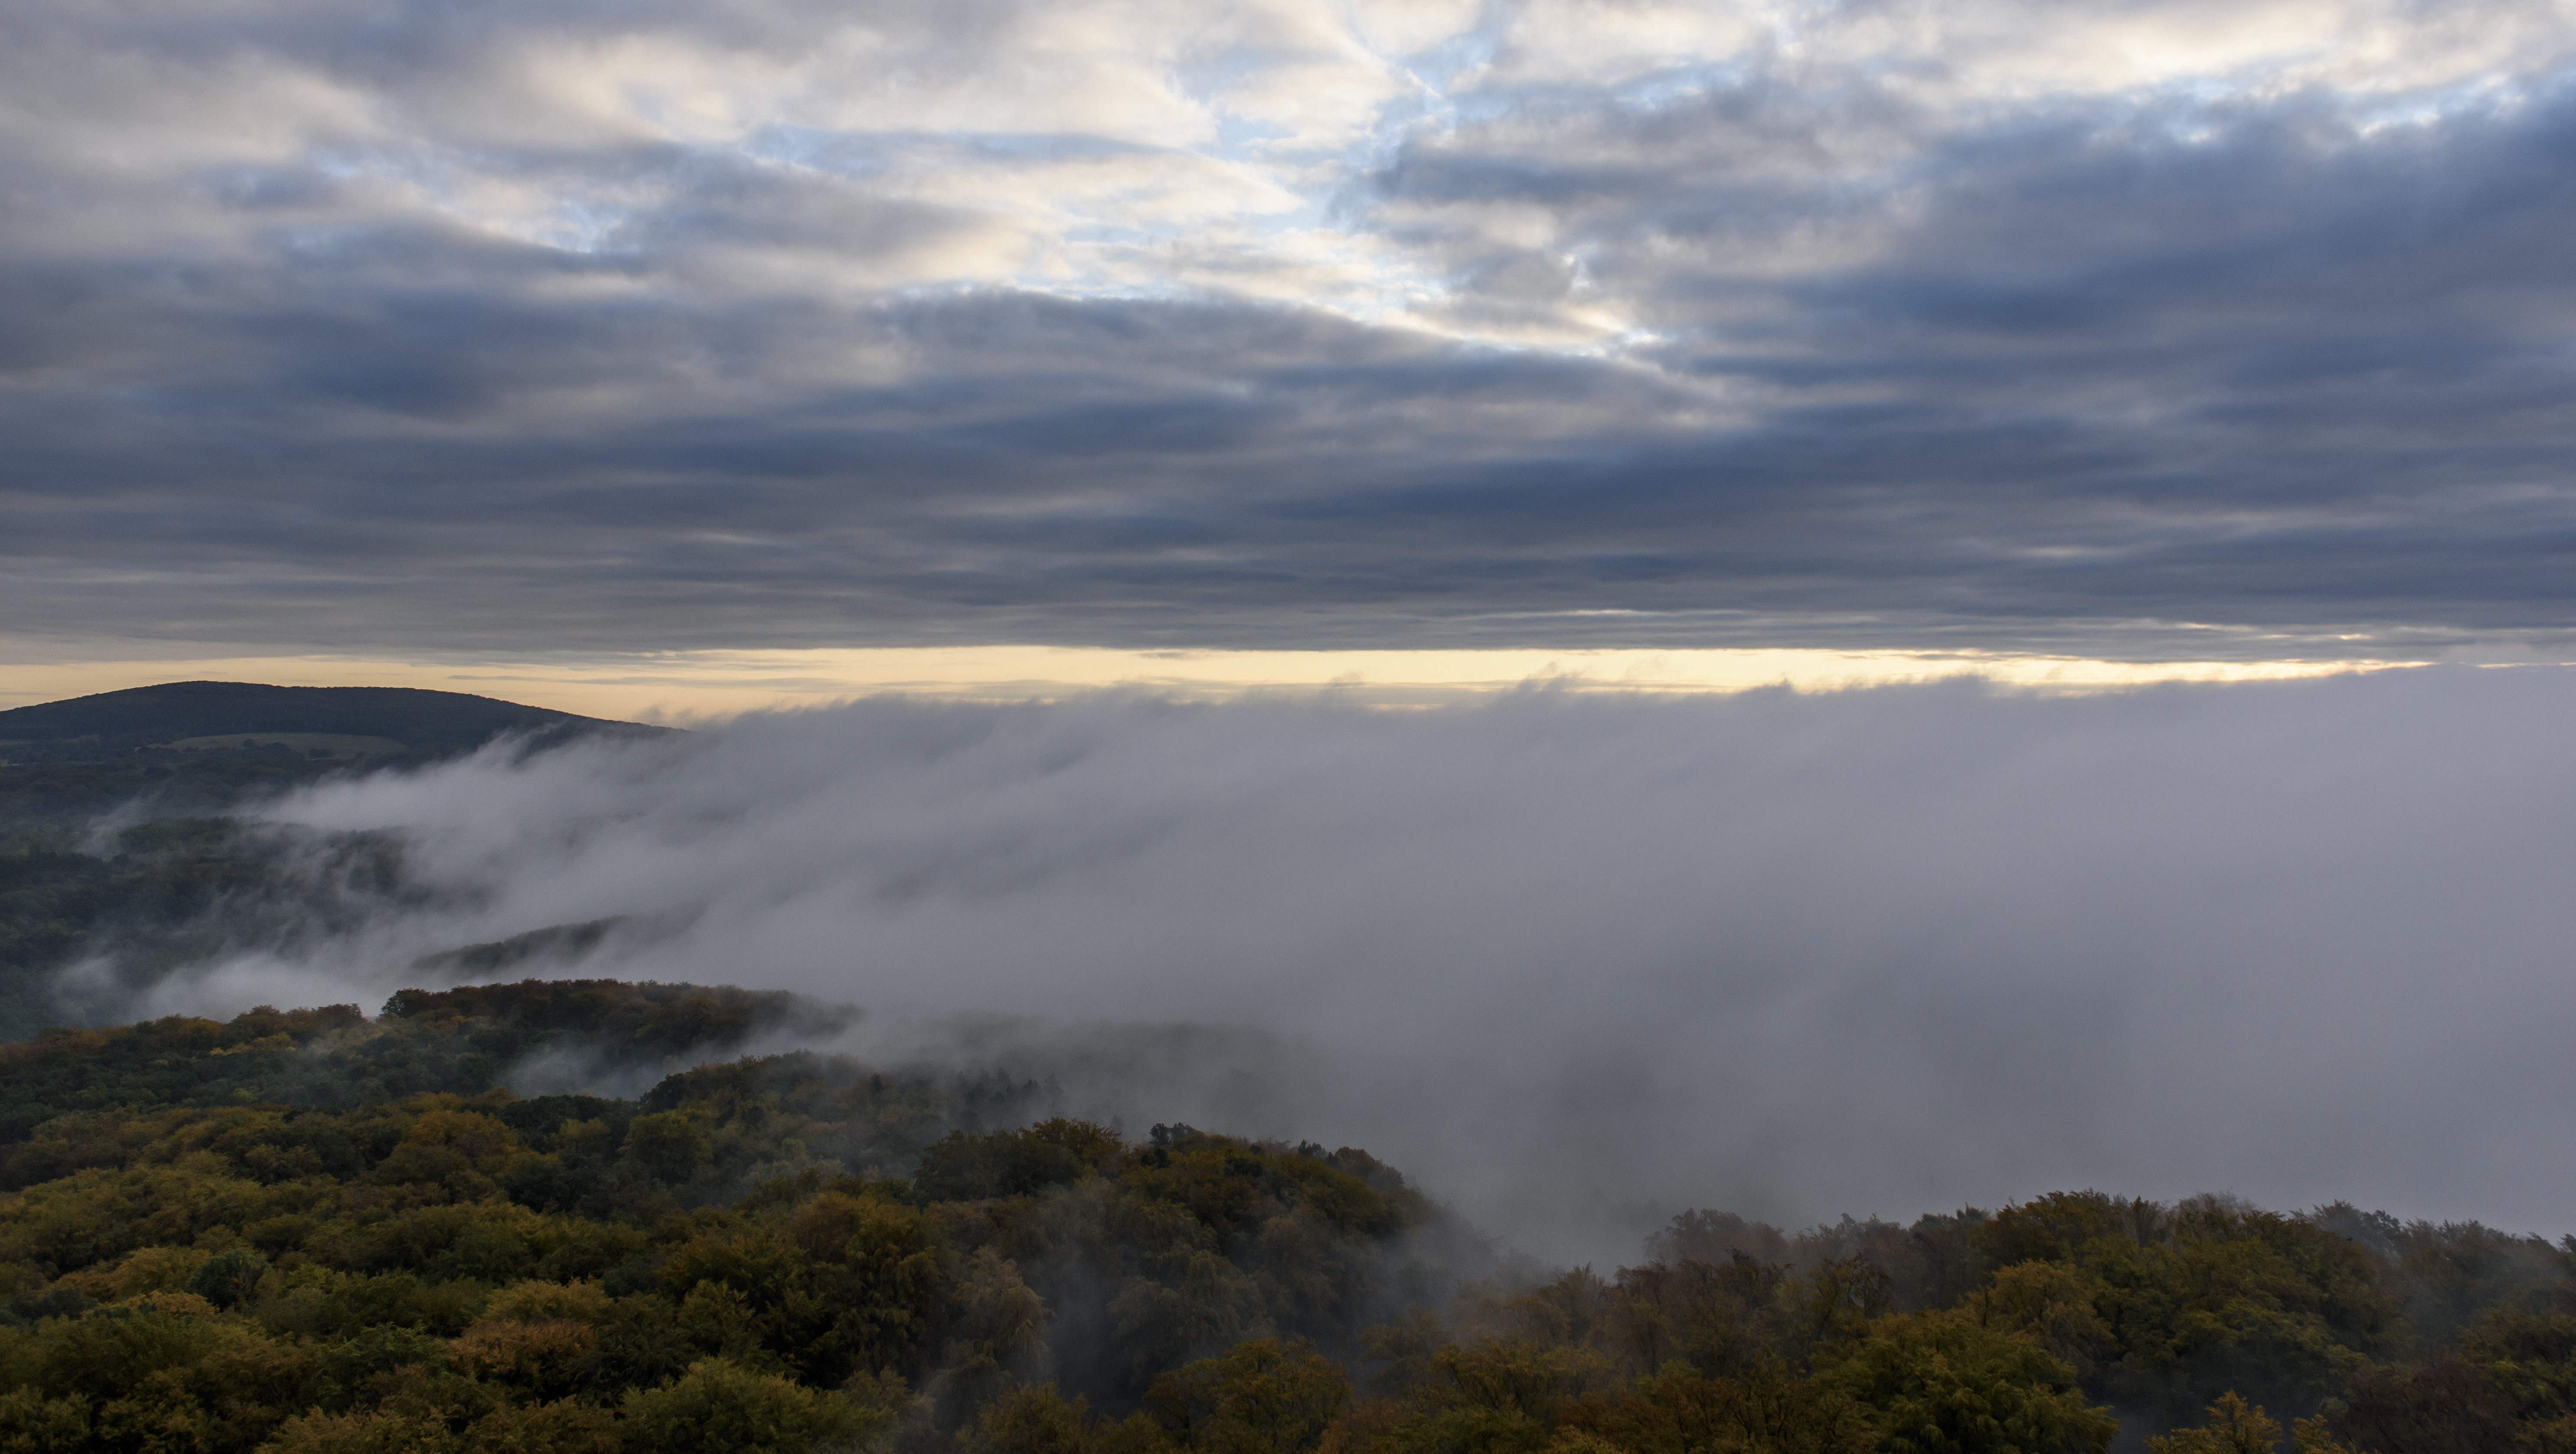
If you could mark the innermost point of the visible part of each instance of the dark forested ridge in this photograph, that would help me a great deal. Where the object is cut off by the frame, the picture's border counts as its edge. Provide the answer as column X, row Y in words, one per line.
column 197, row 747
column 419, row 720
column 313, row 1230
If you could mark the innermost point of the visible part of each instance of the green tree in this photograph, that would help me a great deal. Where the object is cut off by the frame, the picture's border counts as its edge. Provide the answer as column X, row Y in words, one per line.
column 2234, row 1427
column 1770, row 1411
column 1943, row 1383
column 1033, row 1420
column 721, row 1408
column 1501, row 1396
column 1263, row 1397
column 31, row 1423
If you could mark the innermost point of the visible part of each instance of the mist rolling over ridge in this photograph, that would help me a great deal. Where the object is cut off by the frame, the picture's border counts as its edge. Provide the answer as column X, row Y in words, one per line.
column 1874, row 952
column 1393, row 727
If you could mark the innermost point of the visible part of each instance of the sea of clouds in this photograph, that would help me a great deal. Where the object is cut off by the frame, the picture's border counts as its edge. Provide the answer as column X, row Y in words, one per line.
column 1576, row 962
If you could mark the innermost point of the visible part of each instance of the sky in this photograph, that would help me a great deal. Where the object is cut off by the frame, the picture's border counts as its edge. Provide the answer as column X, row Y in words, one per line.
column 775, row 349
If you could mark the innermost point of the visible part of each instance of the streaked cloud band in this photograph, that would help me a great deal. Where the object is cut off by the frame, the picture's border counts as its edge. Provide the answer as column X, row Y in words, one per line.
column 2068, row 331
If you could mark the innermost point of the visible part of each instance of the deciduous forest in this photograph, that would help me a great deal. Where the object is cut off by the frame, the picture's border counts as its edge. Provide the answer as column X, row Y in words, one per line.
column 312, row 1230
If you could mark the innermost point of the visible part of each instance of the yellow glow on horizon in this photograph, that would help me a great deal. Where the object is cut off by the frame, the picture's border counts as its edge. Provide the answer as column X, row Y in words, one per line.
column 697, row 685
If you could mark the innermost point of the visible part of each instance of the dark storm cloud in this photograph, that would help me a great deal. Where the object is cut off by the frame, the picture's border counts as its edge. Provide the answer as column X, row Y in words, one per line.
column 383, row 331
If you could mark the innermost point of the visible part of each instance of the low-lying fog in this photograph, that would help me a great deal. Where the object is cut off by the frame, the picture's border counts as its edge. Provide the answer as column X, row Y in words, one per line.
column 1578, row 962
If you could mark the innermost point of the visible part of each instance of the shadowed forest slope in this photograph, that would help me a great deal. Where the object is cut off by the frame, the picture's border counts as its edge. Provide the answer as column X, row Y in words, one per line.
column 118, row 834
column 197, row 747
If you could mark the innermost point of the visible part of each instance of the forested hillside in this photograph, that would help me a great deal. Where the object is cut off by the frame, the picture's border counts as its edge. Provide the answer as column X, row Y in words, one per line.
column 118, row 838
column 200, row 747
column 312, row 1230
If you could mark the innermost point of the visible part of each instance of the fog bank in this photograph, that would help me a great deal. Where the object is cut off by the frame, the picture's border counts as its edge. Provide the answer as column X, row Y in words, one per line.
column 1577, row 963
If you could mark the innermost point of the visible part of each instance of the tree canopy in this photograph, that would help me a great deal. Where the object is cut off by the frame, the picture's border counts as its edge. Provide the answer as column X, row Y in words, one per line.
column 315, row 1229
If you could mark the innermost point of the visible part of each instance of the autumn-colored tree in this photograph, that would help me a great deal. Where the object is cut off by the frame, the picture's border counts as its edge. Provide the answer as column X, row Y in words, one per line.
column 718, row 1407
column 304, row 1230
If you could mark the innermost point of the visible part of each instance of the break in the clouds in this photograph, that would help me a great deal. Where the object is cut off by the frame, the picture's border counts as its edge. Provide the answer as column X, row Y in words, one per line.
column 2146, row 328
column 1573, row 960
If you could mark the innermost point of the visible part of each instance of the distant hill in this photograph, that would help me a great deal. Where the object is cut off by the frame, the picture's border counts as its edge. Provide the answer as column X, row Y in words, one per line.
column 179, row 712
column 197, row 747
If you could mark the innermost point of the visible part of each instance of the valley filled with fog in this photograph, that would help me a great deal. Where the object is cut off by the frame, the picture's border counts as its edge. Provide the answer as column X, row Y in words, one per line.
column 1574, row 962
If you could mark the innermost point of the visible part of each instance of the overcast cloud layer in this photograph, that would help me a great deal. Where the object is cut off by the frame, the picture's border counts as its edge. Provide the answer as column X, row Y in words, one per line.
column 1578, row 961
column 548, row 325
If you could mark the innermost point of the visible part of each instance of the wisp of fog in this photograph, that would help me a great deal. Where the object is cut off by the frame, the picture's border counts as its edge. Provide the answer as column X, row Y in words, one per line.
column 1576, row 962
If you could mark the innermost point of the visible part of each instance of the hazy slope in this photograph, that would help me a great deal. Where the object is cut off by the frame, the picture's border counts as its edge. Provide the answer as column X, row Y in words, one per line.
column 110, row 808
